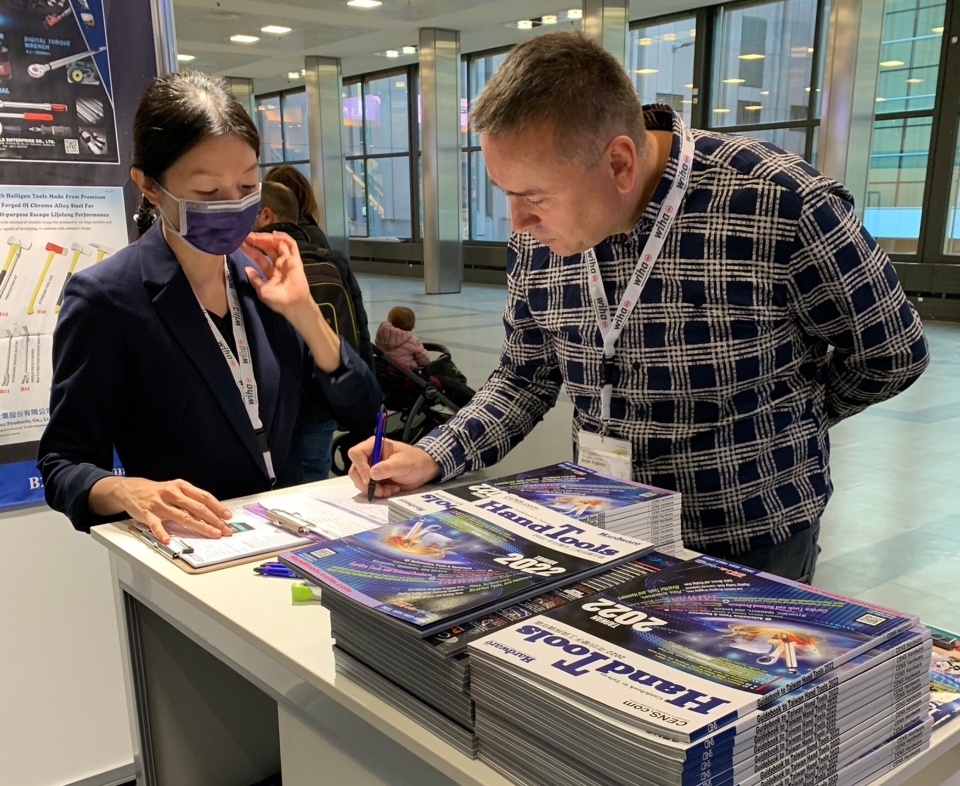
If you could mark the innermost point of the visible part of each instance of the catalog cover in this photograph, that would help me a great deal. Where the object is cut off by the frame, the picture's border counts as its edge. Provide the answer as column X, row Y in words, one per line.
column 944, row 676
column 565, row 488
column 454, row 640
column 695, row 646
column 438, row 570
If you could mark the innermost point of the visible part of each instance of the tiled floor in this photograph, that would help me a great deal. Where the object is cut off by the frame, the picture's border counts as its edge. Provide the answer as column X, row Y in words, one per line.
column 891, row 533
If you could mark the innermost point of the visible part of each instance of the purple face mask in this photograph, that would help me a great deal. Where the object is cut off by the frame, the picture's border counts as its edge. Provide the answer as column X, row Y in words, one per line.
column 216, row 227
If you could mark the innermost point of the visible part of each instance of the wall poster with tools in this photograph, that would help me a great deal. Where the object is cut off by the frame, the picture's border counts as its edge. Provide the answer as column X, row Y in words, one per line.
column 72, row 73
column 48, row 234
column 56, row 96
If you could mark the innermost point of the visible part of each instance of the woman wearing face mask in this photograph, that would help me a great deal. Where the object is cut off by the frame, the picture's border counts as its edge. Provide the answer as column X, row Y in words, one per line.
column 190, row 351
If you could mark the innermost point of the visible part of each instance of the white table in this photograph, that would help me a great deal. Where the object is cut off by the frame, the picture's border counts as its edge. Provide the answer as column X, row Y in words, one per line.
column 226, row 678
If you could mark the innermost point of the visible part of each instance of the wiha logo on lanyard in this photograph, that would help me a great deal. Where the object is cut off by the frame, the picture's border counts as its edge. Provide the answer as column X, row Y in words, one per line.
column 612, row 326
column 241, row 367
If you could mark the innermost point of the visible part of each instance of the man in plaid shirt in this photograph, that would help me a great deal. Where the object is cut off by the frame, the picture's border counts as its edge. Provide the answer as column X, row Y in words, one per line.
column 770, row 314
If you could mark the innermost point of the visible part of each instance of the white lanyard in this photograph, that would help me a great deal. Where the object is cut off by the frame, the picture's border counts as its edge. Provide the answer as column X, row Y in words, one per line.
column 611, row 328
column 242, row 369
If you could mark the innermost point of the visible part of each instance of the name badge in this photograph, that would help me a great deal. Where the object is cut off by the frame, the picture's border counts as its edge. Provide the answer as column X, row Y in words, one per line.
column 613, row 457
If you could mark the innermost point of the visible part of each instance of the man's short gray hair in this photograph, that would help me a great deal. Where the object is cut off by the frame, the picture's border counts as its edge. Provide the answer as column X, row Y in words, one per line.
column 566, row 81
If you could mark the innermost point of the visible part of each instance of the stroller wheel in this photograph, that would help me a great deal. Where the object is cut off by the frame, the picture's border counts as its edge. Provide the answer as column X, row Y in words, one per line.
column 340, row 464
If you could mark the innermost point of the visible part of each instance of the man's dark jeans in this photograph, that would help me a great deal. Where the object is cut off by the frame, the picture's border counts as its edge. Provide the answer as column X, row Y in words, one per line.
column 795, row 558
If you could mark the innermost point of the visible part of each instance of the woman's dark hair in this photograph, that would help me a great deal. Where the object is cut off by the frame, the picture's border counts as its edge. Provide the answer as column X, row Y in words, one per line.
column 177, row 112
column 293, row 179
column 145, row 217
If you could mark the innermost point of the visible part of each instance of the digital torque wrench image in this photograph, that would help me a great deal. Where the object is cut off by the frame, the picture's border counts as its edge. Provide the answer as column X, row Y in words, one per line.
column 36, row 70
column 52, row 251
column 77, row 251
column 17, row 246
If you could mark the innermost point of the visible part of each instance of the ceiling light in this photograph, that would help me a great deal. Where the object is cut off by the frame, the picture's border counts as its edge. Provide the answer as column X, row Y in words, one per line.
column 409, row 50
column 890, row 63
column 752, row 56
column 936, row 30
column 392, row 53
column 575, row 13
column 525, row 24
column 914, row 81
column 399, row 84
column 721, row 110
column 645, row 41
column 809, row 50
column 669, row 36
column 303, row 72
column 548, row 19
column 764, row 92
column 693, row 32
column 224, row 15
column 364, row 3
column 275, row 29
column 880, row 98
column 734, row 81
column 293, row 74
column 244, row 39
column 806, row 89
column 185, row 58
column 754, row 107
column 690, row 85
column 646, row 71
column 685, row 101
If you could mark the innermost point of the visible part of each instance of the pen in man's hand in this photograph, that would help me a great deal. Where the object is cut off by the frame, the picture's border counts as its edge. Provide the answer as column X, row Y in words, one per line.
column 377, row 449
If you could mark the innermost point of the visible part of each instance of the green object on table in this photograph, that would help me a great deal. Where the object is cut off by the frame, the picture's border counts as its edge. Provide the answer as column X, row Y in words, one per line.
column 301, row 593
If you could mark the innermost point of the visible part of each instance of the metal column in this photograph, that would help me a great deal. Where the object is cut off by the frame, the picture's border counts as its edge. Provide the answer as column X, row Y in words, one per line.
column 440, row 144
column 324, row 123
column 242, row 89
column 164, row 36
column 848, row 98
column 608, row 23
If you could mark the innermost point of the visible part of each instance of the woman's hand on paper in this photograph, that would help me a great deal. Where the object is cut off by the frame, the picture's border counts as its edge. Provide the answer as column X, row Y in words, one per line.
column 402, row 467
column 153, row 503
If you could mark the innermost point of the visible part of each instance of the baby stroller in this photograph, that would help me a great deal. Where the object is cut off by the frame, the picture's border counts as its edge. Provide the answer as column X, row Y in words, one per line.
column 414, row 399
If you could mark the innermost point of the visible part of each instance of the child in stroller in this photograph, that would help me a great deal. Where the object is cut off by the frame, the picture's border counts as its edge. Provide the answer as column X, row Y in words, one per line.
column 417, row 399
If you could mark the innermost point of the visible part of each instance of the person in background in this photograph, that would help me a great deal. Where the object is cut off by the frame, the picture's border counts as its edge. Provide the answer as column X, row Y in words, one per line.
column 710, row 303
column 308, row 211
column 316, row 428
column 395, row 338
column 190, row 351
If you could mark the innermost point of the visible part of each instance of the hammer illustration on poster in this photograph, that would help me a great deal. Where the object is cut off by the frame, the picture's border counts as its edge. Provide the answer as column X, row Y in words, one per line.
column 17, row 247
column 52, row 251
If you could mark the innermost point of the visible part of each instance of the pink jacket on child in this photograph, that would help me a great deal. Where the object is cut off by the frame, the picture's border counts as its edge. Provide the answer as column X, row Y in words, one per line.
column 401, row 345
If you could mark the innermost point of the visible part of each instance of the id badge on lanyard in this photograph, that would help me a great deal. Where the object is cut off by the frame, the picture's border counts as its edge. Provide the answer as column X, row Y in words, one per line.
column 242, row 368
column 612, row 324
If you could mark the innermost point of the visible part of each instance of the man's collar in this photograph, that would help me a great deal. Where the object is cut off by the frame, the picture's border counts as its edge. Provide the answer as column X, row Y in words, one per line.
column 660, row 117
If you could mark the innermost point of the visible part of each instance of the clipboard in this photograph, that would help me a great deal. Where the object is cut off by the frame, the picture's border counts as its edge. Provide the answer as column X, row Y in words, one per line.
column 175, row 556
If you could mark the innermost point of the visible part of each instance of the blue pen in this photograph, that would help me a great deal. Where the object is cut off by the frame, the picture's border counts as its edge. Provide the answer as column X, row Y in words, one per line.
column 377, row 448
column 277, row 570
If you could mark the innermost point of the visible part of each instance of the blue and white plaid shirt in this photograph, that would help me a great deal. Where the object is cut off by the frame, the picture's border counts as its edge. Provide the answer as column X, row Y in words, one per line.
column 770, row 315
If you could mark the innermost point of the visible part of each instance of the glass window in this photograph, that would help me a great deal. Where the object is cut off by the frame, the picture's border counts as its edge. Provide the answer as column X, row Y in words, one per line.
column 295, row 142
column 490, row 211
column 910, row 55
column 951, row 244
column 895, row 182
column 386, row 121
column 352, row 120
column 271, row 131
column 356, row 197
column 481, row 69
column 388, row 197
column 763, row 63
column 793, row 140
column 660, row 59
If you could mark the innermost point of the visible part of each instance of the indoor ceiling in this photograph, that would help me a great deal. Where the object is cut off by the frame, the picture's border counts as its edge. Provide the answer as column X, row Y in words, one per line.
column 331, row 28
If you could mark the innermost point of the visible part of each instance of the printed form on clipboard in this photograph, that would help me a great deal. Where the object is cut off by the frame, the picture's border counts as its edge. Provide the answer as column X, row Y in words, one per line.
column 276, row 524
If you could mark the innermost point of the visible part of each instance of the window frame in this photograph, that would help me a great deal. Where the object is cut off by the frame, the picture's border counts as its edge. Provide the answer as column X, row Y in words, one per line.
column 413, row 152
column 280, row 96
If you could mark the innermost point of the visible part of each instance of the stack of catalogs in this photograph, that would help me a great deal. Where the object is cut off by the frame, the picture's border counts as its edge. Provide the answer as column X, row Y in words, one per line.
column 944, row 677
column 633, row 509
column 703, row 673
column 397, row 592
